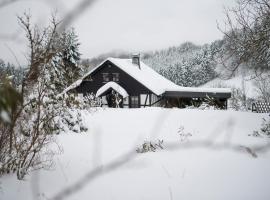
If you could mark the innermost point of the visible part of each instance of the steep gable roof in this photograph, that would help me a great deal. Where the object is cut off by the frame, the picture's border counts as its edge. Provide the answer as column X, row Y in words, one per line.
column 145, row 75
column 149, row 78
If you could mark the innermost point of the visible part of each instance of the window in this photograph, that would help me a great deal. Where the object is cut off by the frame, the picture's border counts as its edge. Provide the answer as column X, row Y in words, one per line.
column 134, row 101
column 105, row 77
column 115, row 77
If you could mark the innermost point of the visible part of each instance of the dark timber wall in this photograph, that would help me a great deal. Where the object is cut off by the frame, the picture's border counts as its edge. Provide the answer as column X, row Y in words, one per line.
column 94, row 81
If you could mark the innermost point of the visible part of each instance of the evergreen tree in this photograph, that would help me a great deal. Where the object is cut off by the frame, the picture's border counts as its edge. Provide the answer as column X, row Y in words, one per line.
column 71, row 56
column 14, row 73
column 188, row 65
column 66, row 68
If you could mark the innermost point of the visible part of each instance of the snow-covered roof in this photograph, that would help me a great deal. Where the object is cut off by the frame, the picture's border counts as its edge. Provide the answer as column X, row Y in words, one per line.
column 114, row 86
column 150, row 78
column 201, row 89
column 145, row 75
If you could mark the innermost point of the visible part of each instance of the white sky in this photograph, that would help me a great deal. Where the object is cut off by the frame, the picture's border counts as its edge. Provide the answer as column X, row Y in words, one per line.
column 132, row 25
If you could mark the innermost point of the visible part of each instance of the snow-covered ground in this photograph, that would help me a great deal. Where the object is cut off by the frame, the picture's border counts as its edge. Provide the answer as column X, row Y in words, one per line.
column 182, row 173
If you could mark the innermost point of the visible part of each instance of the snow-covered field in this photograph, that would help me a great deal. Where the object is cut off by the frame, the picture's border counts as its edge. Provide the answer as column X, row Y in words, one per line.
column 197, row 172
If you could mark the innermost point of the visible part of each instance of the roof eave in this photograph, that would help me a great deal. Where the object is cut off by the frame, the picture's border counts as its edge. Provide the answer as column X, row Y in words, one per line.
column 191, row 94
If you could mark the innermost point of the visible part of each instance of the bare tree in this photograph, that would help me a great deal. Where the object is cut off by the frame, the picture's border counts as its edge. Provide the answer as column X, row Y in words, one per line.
column 247, row 35
column 32, row 122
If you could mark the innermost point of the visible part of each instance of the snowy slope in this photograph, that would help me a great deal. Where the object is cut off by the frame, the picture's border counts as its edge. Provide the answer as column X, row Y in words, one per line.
column 240, row 82
column 185, row 173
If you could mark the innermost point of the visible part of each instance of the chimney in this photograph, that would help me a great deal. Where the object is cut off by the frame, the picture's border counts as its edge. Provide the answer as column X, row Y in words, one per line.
column 136, row 60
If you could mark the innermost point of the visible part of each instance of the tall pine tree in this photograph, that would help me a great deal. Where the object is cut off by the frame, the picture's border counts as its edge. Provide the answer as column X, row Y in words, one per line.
column 66, row 62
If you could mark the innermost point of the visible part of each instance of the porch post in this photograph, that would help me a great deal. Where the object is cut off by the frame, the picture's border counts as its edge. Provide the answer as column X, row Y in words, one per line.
column 146, row 100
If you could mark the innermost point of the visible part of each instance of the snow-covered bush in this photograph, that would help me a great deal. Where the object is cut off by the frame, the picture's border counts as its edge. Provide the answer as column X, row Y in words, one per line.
column 184, row 136
column 149, row 146
column 237, row 100
column 70, row 119
column 86, row 102
column 262, row 83
column 265, row 128
column 73, row 106
column 206, row 106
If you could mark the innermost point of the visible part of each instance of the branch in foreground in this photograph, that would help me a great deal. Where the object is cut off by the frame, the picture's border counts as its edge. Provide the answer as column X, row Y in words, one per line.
column 92, row 175
column 72, row 15
column 7, row 2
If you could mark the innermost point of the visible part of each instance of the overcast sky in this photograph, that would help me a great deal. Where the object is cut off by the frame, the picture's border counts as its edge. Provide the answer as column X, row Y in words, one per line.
column 130, row 25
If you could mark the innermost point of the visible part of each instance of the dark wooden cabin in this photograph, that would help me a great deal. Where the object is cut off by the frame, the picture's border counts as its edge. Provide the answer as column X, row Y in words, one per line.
column 136, row 85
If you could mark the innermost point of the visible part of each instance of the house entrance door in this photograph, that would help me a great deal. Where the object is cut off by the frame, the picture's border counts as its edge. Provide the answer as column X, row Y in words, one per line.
column 114, row 100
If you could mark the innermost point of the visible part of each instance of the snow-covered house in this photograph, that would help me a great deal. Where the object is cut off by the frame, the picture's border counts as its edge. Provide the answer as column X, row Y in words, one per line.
column 131, row 83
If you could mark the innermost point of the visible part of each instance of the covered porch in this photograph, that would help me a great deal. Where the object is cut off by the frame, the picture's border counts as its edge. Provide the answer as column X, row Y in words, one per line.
column 112, row 95
column 182, row 99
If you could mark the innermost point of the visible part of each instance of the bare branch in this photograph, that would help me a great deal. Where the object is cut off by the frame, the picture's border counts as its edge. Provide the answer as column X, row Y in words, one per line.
column 95, row 173
column 79, row 9
column 120, row 161
column 4, row 3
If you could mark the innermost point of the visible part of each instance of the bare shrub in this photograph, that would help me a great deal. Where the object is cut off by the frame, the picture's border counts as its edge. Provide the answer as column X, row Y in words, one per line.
column 42, row 112
column 184, row 136
column 264, row 130
column 262, row 83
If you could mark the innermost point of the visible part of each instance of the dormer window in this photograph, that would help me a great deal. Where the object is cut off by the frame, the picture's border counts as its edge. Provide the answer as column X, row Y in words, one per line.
column 115, row 77
column 106, row 77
